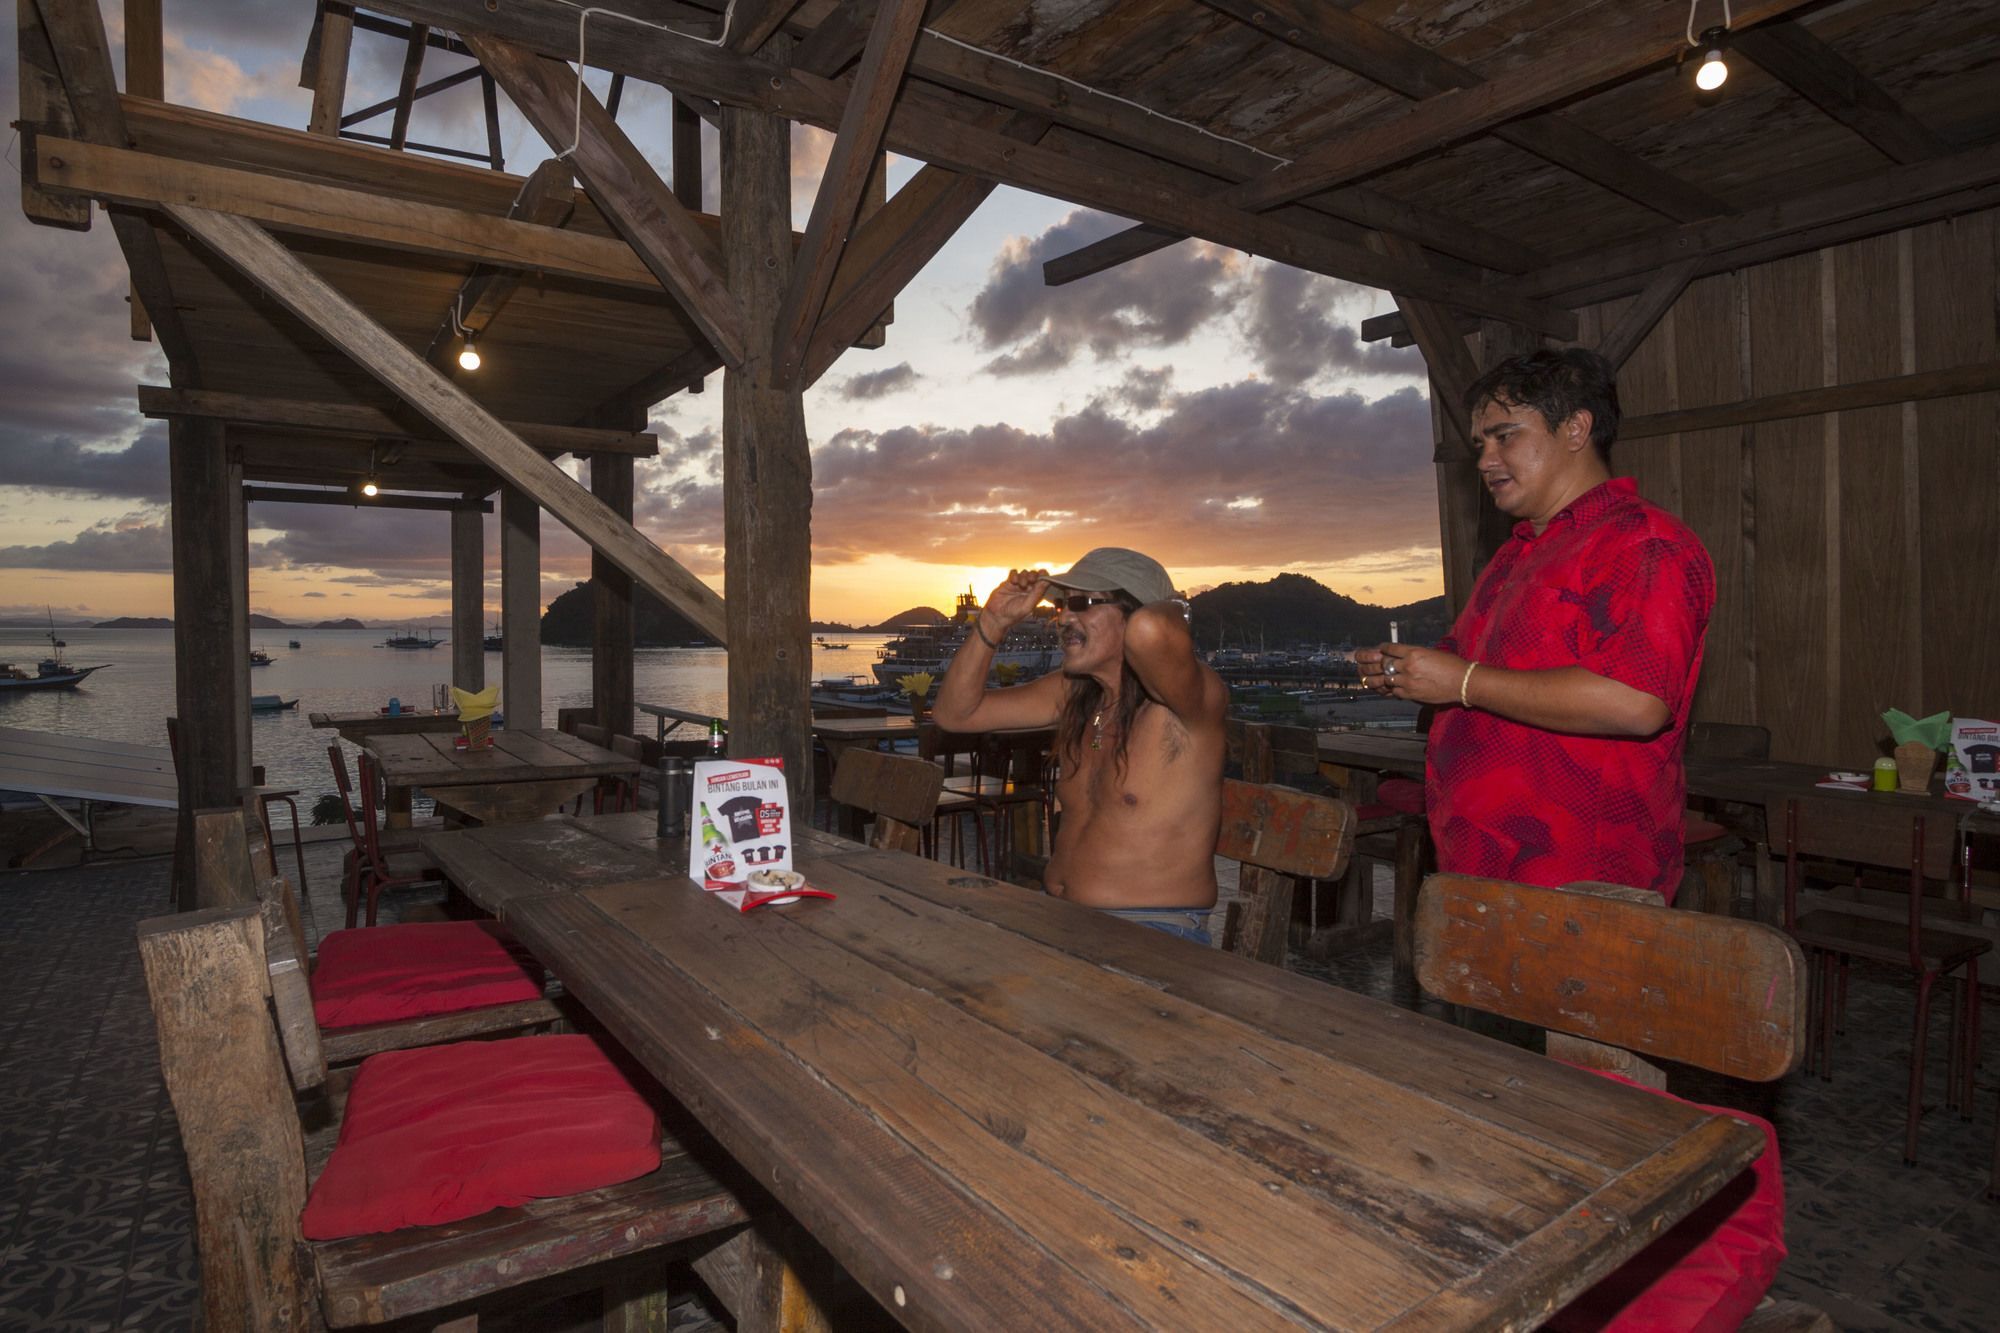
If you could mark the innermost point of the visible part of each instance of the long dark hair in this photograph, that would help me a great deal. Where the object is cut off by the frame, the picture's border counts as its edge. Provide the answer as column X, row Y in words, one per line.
column 1086, row 699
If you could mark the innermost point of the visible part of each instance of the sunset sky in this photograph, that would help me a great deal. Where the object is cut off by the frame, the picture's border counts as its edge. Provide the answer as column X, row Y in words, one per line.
column 1214, row 410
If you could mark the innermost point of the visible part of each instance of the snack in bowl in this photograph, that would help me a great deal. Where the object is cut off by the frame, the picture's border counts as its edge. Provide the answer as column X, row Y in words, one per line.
column 776, row 881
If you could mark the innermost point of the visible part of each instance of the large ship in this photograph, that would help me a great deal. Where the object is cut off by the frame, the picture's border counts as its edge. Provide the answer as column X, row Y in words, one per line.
column 1033, row 646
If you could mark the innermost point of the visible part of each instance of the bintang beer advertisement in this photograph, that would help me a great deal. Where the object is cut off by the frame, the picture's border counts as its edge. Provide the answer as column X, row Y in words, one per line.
column 741, row 820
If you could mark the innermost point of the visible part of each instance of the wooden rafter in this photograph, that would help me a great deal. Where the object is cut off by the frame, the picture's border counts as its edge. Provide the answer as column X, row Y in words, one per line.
column 326, row 67
column 375, row 424
column 933, row 128
column 406, row 89
column 838, row 201
column 45, row 109
column 752, row 23
column 893, row 246
column 293, row 285
column 1979, row 377
column 311, row 209
column 438, row 85
column 1344, row 38
column 300, row 495
column 547, row 199
column 83, row 56
column 626, row 188
column 1655, row 299
column 1792, row 55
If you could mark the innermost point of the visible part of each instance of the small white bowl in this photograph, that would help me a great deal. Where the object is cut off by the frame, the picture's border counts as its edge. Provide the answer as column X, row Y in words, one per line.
column 1850, row 777
column 770, row 881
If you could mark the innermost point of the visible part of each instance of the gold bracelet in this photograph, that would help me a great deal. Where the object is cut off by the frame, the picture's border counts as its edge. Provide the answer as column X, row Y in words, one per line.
column 979, row 628
column 1464, row 681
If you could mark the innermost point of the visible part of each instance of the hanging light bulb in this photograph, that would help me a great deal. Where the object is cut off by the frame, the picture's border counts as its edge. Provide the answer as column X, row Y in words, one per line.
column 369, row 488
column 468, row 356
column 1712, row 72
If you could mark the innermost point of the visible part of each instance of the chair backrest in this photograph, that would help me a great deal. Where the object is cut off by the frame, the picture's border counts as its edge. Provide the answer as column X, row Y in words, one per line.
column 338, row 759
column 1277, row 834
column 568, row 719
column 629, row 746
column 1728, row 740
column 219, row 1055
column 1618, row 971
column 1888, row 835
column 900, row 791
column 592, row 734
column 943, row 747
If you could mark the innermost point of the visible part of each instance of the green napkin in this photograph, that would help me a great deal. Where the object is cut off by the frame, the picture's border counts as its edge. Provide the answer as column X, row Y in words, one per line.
column 1934, row 731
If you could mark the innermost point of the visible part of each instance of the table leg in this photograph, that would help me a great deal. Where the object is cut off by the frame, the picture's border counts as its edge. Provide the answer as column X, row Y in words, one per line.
column 1769, row 905
column 397, row 814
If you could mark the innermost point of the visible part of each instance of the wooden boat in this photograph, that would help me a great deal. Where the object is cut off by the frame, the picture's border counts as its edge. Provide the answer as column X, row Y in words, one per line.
column 292, row 643
column 271, row 703
column 51, row 673
column 410, row 641
column 258, row 657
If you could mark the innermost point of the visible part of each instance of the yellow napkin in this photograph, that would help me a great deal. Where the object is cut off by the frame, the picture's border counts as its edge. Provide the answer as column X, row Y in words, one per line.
column 471, row 706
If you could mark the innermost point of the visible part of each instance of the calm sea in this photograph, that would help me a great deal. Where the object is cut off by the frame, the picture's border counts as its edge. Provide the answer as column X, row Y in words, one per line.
column 341, row 671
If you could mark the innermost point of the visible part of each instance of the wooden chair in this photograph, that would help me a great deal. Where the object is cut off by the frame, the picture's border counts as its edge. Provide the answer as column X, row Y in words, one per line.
column 901, row 793
column 989, row 787
column 1717, row 835
column 1276, row 836
column 568, row 719
column 374, row 863
column 264, row 798
column 228, row 873
column 1615, row 976
column 1861, row 832
column 252, row 1155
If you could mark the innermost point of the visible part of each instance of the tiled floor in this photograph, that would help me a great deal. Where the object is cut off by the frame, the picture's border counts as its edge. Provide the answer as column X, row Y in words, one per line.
column 95, row 1217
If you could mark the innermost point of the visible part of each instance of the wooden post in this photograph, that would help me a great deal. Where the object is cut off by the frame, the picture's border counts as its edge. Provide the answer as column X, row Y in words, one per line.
column 145, row 76
column 766, row 468
column 687, row 169
column 239, row 619
column 468, row 598
column 521, row 608
column 204, row 698
column 329, row 84
column 611, row 639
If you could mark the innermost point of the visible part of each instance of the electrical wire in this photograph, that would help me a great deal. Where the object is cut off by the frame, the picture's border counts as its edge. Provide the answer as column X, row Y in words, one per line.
column 1727, row 19
column 582, row 21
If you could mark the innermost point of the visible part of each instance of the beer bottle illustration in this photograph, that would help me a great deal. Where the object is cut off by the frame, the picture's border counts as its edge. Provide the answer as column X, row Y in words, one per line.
column 719, row 862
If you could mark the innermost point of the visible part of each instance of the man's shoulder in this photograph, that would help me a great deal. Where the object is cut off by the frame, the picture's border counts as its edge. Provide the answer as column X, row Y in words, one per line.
column 1633, row 518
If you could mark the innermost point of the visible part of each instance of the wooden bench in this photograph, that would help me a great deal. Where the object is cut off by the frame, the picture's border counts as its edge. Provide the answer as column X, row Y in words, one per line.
column 252, row 1151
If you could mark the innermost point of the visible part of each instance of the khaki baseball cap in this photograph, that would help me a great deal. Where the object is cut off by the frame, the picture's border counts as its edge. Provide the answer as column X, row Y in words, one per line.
column 1115, row 569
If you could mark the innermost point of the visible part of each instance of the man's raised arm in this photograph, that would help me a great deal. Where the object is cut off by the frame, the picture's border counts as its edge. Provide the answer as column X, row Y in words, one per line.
column 963, row 702
column 1160, row 649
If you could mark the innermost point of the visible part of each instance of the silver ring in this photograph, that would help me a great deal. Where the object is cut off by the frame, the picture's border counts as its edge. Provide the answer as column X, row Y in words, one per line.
column 1389, row 670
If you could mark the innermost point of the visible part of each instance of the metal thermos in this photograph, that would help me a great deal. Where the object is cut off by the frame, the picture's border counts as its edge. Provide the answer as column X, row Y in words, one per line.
column 676, row 789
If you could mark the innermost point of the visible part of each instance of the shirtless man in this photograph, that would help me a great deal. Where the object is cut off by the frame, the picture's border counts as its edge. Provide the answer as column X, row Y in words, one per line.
column 1139, row 735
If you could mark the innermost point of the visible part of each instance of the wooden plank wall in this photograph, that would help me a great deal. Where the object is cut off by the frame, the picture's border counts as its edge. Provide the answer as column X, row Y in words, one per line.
column 1857, row 553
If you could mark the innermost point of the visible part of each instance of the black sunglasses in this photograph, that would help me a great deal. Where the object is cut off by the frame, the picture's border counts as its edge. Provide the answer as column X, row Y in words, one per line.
column 1079, row 602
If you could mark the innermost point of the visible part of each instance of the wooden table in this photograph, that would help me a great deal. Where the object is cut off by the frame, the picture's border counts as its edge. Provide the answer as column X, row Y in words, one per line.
column 668, row 719
column 356, row 728
column 1000, row 1110
column 524, row 775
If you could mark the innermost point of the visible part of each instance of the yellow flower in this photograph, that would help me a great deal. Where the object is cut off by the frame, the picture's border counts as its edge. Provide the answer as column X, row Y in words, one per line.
column 471, row 706
column 917, row 684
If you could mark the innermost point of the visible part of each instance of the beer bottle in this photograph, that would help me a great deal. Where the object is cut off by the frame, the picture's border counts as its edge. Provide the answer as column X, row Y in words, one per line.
column 715, row 738
column 717, row 861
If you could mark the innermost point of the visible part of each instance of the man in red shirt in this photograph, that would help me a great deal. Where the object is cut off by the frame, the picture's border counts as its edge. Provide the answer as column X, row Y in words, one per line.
column 1564, row 687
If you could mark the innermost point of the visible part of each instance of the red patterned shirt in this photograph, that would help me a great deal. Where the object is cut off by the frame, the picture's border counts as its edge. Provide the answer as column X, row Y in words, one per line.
column 1620, row 588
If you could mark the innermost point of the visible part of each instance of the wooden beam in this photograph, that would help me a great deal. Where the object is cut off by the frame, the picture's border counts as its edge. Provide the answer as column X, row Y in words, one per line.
column 1654, row 301
column 1344, row 38
column 685, row 371
column 145, row 76
column 687, row 155
column 449, row 81
column 1815, row 71
column 296, row 287
column 375, row 423
column 929, row 126
column 45, row 109
column 303, row 495
column 1979, row 377
column 838, row 200
column 489, row 96
column 626, row 188
column 468, row 594
column 766, row 469
column 75, row 31
column 547, row 199
column 305, row 208
column 406, row 89
column 752, row 23
column 206, row 758
column 1724, row 242
column 520, row 607
column 893, row 246
column 329, row 84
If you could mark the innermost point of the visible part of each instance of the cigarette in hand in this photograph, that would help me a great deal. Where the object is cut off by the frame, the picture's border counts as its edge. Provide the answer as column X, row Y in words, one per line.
column 1392, row 633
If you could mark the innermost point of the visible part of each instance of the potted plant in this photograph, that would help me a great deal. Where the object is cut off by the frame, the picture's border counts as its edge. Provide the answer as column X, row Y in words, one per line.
column 918, row 686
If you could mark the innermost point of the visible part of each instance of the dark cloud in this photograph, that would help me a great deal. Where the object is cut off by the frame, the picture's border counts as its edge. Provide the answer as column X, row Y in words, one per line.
column 1293, row 325
column 1156, row 301
column 138, row 471
column 133, row 544
column 878, row 383
column 1145, row 390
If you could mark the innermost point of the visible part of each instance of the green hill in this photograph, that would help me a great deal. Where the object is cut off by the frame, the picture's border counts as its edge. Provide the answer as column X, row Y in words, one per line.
column 1293, row 609
column 571, row 621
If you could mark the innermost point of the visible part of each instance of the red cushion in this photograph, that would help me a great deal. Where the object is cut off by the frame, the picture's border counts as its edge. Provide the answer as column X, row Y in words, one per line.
column 1402, row 795
column 1695, row 829
column 1708, row 1272
column 448, row 1132
column 383, row 973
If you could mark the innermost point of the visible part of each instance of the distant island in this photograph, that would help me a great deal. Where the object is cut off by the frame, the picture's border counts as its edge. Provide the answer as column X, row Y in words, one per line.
column 571, row 621
column 267, row 622
column 349, row 623
column 135, row 622
column 1293, row 609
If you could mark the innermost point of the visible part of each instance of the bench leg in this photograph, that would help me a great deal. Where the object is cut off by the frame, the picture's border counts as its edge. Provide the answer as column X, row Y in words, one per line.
column 1409, row 879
